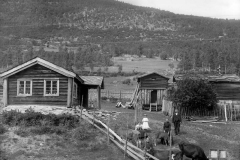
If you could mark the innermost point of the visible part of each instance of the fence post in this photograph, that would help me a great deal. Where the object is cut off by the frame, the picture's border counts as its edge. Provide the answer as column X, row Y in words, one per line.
column 126, row 139
column 225, row 111
column 108, row 128
column 120, row 96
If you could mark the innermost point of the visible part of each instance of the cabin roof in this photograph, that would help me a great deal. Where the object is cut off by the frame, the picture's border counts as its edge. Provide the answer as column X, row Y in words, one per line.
column 93, row 80
column 214, row 78
column 42, row 62
column 144, row 75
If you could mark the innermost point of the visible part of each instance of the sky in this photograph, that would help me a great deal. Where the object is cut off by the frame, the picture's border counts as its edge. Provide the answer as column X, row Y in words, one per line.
column 222, row 9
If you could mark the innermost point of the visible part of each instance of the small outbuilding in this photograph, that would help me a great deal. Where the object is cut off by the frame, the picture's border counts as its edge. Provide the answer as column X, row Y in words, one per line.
column 151, row 87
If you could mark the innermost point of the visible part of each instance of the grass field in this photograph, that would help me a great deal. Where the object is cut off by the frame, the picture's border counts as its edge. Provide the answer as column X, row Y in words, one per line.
column 140, row 65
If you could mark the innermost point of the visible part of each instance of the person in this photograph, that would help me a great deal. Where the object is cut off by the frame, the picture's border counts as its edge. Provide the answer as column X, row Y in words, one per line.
column 138, row 126
column 167, row 126
column 145, row 125
column 176, row 120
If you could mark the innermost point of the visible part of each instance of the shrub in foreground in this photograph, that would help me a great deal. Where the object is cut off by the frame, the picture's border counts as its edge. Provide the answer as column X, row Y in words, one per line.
column 31, row 118
column 2, row 129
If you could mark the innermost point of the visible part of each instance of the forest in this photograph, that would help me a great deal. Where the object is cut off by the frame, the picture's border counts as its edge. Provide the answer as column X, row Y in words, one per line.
column 101, row 29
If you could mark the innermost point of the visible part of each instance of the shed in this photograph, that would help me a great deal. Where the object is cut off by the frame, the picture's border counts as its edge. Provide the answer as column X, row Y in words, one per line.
column 151, row 87
column 39, row 82
column 92, row 82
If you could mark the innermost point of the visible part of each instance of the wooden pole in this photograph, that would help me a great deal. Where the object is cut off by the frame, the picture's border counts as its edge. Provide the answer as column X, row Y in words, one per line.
column 81, row 106
column 126, row 139
column 170, row 152
column 145, row 149
column 225, row 110
column 108, row 128
column 120, row 96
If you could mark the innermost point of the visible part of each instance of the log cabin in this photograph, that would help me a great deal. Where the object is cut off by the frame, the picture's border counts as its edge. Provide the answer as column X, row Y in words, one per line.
column 39, row 82
column 151, row 88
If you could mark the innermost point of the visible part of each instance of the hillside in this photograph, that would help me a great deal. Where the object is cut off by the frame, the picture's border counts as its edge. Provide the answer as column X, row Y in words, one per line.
column 100, row 29
column 105, row 20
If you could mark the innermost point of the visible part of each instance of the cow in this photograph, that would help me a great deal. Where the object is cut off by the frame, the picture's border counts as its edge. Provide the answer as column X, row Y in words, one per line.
column 160, row 154
column 137, row 137
column 163, row 138
column 191, row 151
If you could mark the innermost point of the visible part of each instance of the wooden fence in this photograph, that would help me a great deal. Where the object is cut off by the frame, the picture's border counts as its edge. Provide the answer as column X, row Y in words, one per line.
column 222, row 111
column 126, row 94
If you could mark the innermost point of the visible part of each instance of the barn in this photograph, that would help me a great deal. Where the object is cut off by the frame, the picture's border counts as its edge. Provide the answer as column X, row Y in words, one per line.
column 39, row 82
column 151, row 87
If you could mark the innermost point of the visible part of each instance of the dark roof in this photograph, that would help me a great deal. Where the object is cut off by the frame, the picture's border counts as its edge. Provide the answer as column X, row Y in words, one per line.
column 144, row 75
column 93, row 80
column 214, row 78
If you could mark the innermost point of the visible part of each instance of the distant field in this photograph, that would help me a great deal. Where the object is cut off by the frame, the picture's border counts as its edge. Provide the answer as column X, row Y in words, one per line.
column 140, row 65
column 145, row 65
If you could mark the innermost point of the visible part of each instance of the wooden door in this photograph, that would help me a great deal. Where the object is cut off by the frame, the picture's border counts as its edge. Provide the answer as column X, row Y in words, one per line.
column 154, row 96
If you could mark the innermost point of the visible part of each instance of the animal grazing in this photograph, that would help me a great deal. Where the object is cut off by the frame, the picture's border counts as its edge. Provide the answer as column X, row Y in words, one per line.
column 160, row 154
column 191, row 151
column 163, row 138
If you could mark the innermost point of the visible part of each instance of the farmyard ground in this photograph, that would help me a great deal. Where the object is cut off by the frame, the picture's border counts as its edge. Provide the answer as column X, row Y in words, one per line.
column 207, row 135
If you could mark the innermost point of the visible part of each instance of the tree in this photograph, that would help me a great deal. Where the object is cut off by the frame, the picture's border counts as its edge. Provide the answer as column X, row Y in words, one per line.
column 171, row 65
column 194, row 93
column 119, row 68
column 163, row 56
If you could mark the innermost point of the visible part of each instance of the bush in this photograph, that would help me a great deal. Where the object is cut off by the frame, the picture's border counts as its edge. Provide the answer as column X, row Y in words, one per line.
column 11, row 117
column 83, row 132
column 3, row 155
column 49, row 130
column 2, row 129
column 31, row 118
column 21, row 132
column 127, row 81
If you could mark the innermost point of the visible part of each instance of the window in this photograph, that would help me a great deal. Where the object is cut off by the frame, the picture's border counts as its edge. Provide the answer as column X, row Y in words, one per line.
column 75, row 90
column 51, row 87
column 24, row 87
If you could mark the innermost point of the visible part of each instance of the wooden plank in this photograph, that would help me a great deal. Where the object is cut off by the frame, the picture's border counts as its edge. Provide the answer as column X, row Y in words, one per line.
column 69, row 96
column 5, row 92
column 99, row 97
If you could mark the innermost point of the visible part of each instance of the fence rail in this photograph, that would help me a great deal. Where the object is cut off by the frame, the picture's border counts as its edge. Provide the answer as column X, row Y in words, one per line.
column 126, row 94
column 228, row 112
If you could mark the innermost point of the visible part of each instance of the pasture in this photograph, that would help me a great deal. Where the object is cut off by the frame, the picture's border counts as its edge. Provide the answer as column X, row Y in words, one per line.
column 206, row 135
column 139, row 65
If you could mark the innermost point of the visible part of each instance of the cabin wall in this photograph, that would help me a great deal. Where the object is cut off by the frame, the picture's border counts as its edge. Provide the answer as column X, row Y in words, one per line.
column 145, row 96
column 78, row 99
column 153, row 81
column 227, row 90
column 84, row 94
column 1, row 92
column 38, row 73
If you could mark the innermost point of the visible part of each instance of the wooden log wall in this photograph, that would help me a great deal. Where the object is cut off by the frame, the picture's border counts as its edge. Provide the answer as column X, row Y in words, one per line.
column 37, row 73
column 153, row 81
column 145, row 96
column 1, row 93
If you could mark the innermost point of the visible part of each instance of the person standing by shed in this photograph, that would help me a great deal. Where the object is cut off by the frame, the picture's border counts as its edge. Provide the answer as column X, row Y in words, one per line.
column 176, row 120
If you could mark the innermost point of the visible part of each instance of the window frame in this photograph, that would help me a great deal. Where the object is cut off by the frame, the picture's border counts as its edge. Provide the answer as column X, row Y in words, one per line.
column 24, row 88
column 44, row 89
column 75, row 91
